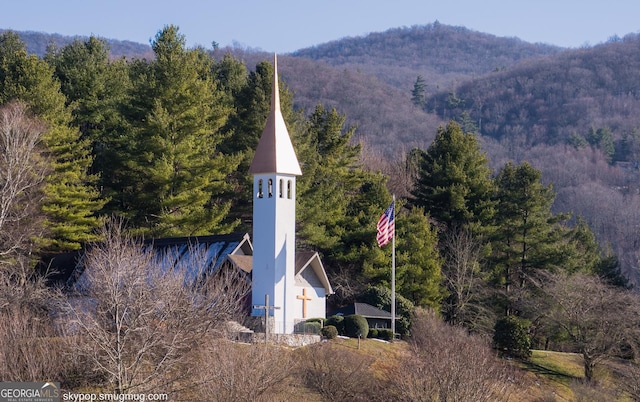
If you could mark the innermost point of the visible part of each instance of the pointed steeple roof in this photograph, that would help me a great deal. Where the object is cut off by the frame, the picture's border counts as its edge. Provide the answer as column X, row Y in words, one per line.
column 275, row 153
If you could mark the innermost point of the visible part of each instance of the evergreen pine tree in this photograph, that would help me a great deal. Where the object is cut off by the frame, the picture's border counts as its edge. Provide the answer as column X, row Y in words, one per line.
column 95, row 89
column 71, row 197
column 176, row 172
column 331, row 176
column 454, row 181
column 338, row 201
column 528, row 239
column 418, row 94
column 251, row 97
column 418, row 262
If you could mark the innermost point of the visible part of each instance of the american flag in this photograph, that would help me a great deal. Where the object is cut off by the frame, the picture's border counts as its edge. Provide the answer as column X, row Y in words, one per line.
column 386, row 226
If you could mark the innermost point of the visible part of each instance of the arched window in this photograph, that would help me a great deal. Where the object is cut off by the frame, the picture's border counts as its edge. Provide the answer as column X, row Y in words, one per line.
column 270, row 185
column 281, row 189
column 289, row 189
column 260, row 194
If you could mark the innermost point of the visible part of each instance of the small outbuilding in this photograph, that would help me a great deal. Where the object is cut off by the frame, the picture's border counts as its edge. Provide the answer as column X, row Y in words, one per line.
column 376, row 318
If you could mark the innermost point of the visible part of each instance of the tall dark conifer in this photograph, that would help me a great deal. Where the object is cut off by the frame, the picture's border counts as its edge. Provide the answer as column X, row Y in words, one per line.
column 251, row 105
column 528, row 239
column 71, row 198
column 454, row 181
column 176, row 172
column 96, row 89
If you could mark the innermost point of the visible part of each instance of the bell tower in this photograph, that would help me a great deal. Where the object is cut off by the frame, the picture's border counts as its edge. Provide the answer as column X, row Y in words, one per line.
column 274, row 169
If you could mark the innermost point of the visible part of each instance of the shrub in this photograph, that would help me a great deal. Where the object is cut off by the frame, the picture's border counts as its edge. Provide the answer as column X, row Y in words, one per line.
column 356, row 325
column 308, row 327
column 317, row 319
column 336, row 321
column 337, row 373
column 446, row 363
column 373, row 333
column 243, row 364
column 385, row 334
column 330, row 332
column 511, row 335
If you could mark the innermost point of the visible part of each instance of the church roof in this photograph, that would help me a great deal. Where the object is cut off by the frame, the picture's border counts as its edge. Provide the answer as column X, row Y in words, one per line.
column 275, row 153
column 305, row 261
column 179, row 251
column 170, row 252
column 244, row 262
column 309, row 260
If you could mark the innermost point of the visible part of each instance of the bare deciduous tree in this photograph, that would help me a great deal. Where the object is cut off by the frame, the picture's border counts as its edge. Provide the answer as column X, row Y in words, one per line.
column 599, row 319
column 135, row 316
column 461, row 269
column 448, row 364
column 29, row 348
column 630, row 379
column 239, row 372
column 22, row 172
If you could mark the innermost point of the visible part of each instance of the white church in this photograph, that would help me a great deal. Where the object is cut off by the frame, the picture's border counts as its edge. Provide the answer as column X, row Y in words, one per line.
column 296, row 285
column 291, row 287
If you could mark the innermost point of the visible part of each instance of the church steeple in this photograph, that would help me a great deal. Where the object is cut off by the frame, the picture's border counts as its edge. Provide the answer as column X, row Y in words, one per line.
column 275, row 153
column 274, row 169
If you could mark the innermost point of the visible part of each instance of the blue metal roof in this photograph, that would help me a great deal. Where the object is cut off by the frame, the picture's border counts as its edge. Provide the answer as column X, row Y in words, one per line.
column 195, row 255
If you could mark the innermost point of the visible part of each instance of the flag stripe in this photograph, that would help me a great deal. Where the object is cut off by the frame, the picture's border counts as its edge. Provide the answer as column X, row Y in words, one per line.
column 386, row 226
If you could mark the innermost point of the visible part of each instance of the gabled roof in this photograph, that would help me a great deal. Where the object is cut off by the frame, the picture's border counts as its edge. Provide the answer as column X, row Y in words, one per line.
column 244, row 262
column 363, row 309
column 309, row 260
column 216, row 247
column 305, row 261
column 275, row 153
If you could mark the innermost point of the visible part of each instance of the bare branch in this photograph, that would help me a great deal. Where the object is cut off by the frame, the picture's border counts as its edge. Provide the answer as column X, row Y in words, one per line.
column 22, row 172
column 138, row 314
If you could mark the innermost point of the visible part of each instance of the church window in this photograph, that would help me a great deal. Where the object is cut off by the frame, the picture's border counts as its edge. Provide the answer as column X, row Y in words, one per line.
column 281, row 189
column 270, row 185
column 260, row 194
column 289, row 189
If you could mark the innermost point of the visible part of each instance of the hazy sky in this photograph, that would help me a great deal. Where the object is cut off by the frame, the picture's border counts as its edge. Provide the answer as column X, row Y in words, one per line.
column 286, row 25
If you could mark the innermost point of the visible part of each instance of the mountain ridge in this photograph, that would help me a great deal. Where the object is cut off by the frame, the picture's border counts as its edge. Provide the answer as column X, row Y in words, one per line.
column 38, row 42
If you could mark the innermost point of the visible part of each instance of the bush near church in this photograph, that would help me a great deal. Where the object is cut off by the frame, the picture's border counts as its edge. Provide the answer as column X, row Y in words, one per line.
column 336, row 321
column 308, row 327
column 330, row 332
column 385, row 334
column 356, row 326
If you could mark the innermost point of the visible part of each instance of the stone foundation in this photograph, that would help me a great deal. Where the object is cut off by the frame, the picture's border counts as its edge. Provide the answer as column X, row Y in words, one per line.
column 291, row 340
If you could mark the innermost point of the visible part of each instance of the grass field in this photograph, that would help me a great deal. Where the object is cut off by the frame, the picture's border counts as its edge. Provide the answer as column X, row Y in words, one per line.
column 547, row 375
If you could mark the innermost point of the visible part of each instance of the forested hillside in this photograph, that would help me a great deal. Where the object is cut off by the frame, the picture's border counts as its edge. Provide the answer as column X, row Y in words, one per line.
column 572, row 113
column 521, row 235
column 547, row 100
column 442, row 54
column 38, row 42
column 528, row 101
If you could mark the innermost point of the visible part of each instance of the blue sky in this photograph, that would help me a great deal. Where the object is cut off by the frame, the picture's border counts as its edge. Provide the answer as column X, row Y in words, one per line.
column 286, row 25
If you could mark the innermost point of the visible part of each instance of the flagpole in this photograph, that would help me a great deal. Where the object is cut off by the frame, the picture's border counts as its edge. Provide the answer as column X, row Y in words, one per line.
column 393, row 274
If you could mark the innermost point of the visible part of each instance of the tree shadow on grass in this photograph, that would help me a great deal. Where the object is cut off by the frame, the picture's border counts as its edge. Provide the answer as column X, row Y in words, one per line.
column 548, row 372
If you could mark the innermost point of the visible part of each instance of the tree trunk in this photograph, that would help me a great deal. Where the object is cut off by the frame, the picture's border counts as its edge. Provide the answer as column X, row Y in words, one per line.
column 589, row 365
